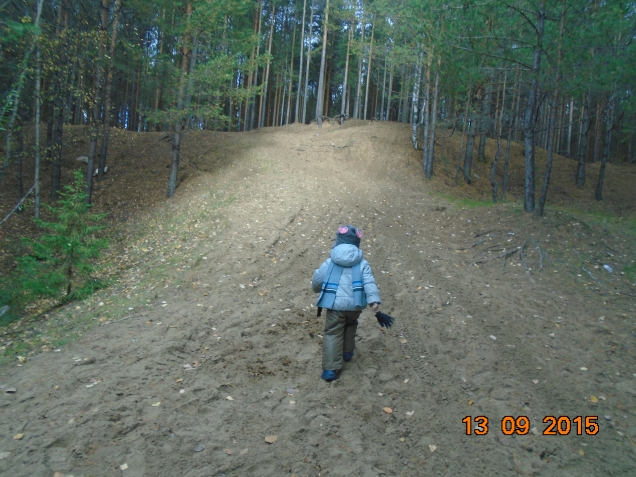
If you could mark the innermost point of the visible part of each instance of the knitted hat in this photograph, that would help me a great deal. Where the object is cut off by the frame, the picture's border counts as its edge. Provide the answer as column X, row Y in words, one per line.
column 348, row 234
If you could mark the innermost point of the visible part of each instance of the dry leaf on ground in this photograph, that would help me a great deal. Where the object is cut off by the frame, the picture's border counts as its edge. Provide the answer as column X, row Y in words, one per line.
column 271, row 439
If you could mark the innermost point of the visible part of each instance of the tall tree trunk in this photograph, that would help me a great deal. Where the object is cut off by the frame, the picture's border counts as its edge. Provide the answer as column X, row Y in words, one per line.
column 321, row 78
column 300, row 68
column 609, row 125
column 258, row 52
column 382, row 118
column 369, row 69
column 416, row 98
column 585, row 127
column 107, row 94
column 291, row 71
column 552, row 123
column 57, row 126
column 426, row 105
column 345, row 80
column 484, row 124
column 14, row 95
column 468, row 156
column 389, row 94
column 269, row 55
column 99, row 76
column 311, row 25
column 598, row 130
column 356, row 104
column 498, row 125
column 569, row 148
column 461, row 145
column 529, row 121
column 431, row 144
column 511, row 125
column 38, row 108
column 178, row 126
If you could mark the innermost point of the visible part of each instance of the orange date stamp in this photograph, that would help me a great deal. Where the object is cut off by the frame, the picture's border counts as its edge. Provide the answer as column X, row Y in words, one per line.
column 555, row 426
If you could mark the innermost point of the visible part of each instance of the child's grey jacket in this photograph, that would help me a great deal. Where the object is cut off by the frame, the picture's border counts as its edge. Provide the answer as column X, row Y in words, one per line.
column 347, row 256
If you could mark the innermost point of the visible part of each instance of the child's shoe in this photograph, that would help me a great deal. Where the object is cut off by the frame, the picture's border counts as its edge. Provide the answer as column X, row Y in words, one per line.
column 328, row 375
column 347, row 356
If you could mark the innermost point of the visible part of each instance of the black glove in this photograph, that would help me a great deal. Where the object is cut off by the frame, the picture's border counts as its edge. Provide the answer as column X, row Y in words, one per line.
column 385, row 321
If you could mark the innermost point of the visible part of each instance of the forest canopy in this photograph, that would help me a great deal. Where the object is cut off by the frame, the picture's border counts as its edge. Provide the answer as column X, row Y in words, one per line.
column 556, row 75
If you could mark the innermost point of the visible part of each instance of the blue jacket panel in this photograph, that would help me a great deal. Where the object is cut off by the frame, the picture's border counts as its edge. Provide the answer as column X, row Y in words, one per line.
column 347, row 256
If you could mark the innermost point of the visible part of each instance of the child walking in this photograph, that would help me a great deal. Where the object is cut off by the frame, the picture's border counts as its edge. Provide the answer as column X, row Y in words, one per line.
column 346, row 285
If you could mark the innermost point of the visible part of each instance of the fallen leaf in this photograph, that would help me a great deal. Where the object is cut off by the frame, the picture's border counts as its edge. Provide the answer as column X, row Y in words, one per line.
column 402, row 341
column 228, row 451
column 18, row 437
column 583, row 368
column 471, row 402
column 581, row 452
column 124, row 466
column 388, row 410
column 271, row 439
column 593, row 399
column 21, row 359
column 406, row 381
column 179, row 380
column 230, row 398
column 410, row 413
column 243, row 452
column 156, row 404
column 493, row 337
column 58, row 474
column 199, row 448
column 10, row 391
column 432, row 447
column 4, row 455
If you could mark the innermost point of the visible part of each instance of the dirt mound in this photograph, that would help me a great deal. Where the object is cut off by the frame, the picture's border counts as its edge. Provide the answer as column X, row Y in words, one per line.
column 209, row 342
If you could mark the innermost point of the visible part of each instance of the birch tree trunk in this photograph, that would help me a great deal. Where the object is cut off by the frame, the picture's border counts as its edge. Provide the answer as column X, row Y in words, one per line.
column 416, row 99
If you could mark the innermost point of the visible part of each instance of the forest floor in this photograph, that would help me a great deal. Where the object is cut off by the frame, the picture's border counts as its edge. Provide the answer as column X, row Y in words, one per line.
column 203, row 357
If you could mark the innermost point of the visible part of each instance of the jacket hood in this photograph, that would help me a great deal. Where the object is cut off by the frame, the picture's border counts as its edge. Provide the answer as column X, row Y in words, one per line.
column 346, row 255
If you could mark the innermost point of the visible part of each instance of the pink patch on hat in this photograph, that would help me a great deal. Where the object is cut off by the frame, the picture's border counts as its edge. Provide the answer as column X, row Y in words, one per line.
column 359, row 233
column 343, row 230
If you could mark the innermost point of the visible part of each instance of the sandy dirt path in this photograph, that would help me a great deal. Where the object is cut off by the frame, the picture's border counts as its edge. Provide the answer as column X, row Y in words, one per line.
column 224, row 350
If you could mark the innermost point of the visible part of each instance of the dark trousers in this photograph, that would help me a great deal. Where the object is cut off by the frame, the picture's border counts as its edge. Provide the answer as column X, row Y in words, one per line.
column 339, row 337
